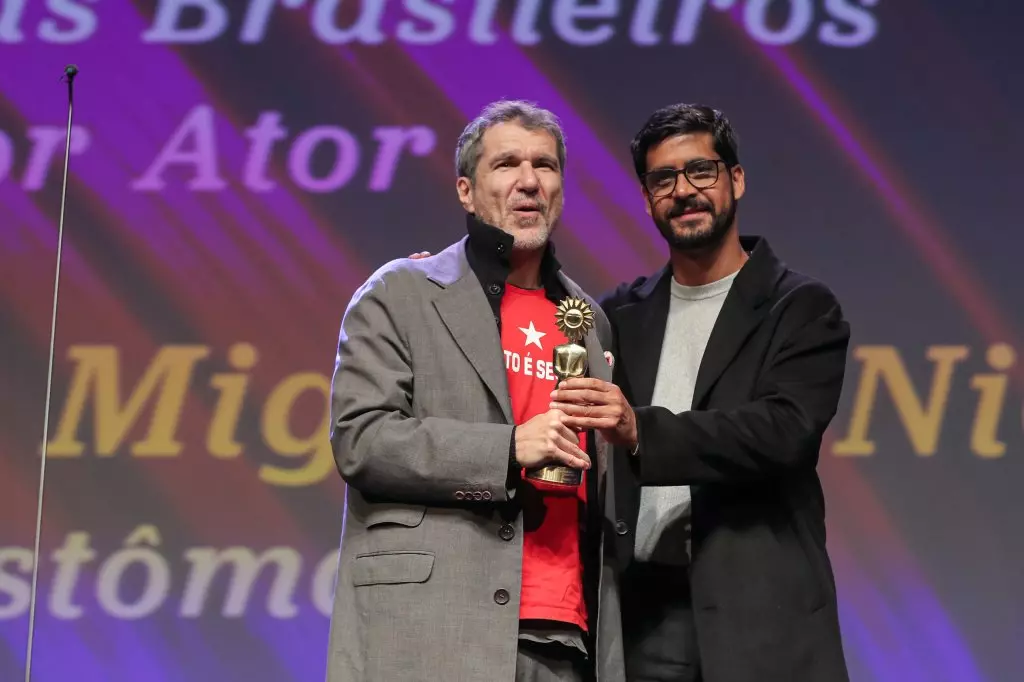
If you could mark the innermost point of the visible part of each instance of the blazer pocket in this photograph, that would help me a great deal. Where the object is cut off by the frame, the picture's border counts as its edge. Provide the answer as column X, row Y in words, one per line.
column 392, row 568
column 408, row 515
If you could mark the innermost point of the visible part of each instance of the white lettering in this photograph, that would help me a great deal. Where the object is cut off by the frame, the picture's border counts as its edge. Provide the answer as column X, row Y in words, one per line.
column 264, row 133
column 46, row 144
column 755, row 18
column 841, row 23
column 568, row 12
column 851, row 12
column 524, row 23
column 481, row 24
column 70, row 559
column 641, row 30
column 345, row 163
column 688, row 21
column 48, row 141
column 10, row 21
column 134, row 582
column 440, row 20
column 419, row 140
column 321, row 159
column 157, row 583
column 167, row 17
column 257, row 18
column 15, row 590
column 537, row 368
column 366, row 28
column 193, row 144
column 6, row 156
column 82, row 19
column 247, row 566
column 323, row 583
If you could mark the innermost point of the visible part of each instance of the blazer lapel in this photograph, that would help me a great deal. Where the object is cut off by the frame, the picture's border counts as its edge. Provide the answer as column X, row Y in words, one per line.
column 735, row 323
column 467, row 315
column 743, row 310
column 641, row 330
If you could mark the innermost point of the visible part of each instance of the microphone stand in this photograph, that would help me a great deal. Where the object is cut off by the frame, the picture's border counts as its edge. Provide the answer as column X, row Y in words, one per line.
column 70, row 72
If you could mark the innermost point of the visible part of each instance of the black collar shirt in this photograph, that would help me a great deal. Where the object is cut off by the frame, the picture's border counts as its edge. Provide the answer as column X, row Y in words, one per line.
column 488, row 249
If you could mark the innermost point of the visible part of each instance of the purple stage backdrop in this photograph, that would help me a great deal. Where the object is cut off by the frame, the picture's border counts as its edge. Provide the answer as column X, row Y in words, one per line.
column 238, row 168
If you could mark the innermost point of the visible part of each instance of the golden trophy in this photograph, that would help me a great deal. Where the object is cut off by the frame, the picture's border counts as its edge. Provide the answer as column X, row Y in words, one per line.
column 574, row 318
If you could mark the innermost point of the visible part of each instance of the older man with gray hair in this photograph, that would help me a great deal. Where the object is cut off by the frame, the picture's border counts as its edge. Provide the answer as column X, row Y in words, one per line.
column 455, row 564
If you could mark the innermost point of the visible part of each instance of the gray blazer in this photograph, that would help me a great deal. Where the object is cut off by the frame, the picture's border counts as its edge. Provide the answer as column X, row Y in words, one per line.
column 427, row 587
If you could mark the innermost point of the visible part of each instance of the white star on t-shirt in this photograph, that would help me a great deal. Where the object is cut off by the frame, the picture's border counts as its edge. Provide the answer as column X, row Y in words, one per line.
column 532, row 335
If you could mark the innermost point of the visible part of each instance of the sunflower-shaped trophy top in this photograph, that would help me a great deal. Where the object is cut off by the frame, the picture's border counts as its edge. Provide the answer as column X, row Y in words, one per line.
column 574, row 318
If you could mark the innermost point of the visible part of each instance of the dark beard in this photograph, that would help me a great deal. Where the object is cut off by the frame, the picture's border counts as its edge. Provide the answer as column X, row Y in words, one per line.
column 697, row 240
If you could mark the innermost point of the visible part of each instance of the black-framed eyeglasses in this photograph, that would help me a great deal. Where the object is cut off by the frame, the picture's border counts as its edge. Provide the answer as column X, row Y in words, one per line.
column 702, row 173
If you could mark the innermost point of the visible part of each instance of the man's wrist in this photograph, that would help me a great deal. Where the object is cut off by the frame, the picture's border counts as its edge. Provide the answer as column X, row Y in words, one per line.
column 513, row 460
column 514, row 470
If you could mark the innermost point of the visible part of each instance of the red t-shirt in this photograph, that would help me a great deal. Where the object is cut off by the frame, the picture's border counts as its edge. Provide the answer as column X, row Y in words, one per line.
column 552, row 586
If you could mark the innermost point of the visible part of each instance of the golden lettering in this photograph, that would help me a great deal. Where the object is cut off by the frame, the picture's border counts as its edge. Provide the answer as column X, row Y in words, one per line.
column 278, row 436
column 991, row 390
column 922, row 422
column 164, row 385
column 97, row 375
column 220, row 439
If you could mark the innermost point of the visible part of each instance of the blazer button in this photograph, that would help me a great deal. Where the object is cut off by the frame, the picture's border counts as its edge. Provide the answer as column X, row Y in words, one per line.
column 494, row 289
column 501, row 597
column 506, row 532
column 487, row 494
column 621, row 528
column 459, row 495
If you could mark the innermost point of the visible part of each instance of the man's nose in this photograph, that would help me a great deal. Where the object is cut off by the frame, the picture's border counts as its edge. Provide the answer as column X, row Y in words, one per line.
column 683, row 187
column 528, row 179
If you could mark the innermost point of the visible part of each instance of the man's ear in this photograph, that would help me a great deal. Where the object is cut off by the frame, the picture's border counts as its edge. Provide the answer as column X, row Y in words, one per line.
column 647, row 200
column 739, row 181
column 464, row 188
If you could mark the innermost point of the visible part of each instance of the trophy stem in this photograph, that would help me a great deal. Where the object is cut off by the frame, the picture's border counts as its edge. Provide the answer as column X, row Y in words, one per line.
column 570, row 361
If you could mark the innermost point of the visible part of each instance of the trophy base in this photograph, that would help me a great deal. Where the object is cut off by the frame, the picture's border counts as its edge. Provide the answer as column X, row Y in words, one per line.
column 556, row 475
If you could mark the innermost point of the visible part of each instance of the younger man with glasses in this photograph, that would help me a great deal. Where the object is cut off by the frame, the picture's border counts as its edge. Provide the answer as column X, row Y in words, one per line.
column 735, row 363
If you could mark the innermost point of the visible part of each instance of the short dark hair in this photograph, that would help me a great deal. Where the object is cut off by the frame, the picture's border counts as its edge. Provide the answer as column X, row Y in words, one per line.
column 680, row 119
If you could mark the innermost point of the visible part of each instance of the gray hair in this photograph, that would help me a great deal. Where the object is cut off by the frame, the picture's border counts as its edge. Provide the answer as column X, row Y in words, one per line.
column 527, row 114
